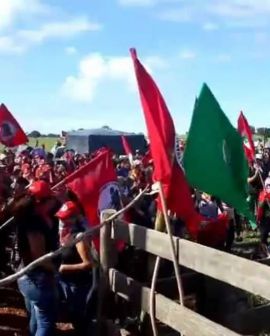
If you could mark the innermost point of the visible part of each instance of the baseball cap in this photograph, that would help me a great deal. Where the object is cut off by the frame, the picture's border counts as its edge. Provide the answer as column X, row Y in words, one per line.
column 68, row 210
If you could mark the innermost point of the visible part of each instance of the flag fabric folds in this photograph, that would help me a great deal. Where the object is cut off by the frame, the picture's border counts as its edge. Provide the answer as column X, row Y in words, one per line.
column 127, row 149
column 214, row 159
column 215, row 232
column 245, row 131
column 263, row 205
column 95, row 185
column 147, row 159
column 126, row 145
column 161, row 133
column 11, row 133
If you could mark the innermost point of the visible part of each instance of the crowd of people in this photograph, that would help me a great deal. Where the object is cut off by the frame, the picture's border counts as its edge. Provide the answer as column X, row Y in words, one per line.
column 46, row 218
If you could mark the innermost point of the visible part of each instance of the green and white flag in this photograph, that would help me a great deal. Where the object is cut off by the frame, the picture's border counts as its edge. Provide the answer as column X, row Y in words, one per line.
column 214, row 159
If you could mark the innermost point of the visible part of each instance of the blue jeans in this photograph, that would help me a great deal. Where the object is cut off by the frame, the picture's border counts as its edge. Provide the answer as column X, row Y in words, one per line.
column 41, row 299
column 76, row 297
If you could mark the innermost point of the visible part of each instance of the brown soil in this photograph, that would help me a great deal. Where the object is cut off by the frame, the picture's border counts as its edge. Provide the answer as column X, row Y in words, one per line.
column 13, row 318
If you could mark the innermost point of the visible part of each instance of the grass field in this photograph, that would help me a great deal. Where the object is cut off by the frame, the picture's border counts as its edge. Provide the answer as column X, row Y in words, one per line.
column 48, row 142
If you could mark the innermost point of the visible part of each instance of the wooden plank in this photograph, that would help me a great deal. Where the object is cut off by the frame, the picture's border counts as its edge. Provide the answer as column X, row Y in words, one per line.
column 108, row 251
column 168, row 312
column 236, row 271
column 108, row 255
column 150, row 241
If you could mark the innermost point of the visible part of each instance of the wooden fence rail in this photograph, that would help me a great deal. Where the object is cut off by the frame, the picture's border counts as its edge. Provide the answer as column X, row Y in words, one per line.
column 241, row 273
column 167, row 311
column 236, row 271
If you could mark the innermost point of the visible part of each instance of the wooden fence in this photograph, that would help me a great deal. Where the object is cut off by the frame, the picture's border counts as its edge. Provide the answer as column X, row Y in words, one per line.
column 247, row 275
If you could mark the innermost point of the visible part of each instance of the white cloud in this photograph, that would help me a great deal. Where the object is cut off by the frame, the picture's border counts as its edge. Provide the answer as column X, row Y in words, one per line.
column 40, row 21
column 137, row 3
column 229, row 13
column 9, row 46
column 95, row 68
column 210, row 26
column 71, row 50
column 58, row 30
column 92, row 70
column 187, row 54
column 24, row 39
column 10, row 10
column 176, row 15
column 145, row 3
column 240, row 8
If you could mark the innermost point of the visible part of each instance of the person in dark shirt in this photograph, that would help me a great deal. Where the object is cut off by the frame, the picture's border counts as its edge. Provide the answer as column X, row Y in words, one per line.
column 123, row 169
column 76, row 267
column 263, row 216
column 4, row 234
column 254, row 186
column 37, row 236
column 265, row 165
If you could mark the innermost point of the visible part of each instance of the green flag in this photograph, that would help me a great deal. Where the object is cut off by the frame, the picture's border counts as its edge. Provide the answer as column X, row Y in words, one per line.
column 214, row 159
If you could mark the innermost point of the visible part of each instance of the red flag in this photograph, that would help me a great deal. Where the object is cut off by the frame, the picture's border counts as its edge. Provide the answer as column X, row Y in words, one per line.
column 215, row 232
column 127, row 149
column 96, row 187
column 264, row 198
column 11, row 133
column 162, row 138
column 245, row 131
column 126, row 146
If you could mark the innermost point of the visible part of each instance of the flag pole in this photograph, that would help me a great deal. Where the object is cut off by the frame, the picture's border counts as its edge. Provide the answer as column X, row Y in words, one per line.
column 158, row 260
column 152, row 296
column 59, row 184
column 172, row 246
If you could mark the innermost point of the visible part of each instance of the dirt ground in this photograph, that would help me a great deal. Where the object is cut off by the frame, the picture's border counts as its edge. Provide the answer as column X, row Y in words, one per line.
column 13, row 319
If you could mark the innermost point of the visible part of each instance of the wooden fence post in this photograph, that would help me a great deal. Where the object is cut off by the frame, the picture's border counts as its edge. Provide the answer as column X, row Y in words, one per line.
column 108, row 259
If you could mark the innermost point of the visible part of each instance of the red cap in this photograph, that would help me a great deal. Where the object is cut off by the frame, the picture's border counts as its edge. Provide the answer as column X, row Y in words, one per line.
column 67, row 210
column 40, row 189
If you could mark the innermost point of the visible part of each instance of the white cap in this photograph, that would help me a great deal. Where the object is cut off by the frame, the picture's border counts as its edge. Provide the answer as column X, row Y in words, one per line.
column 137, row 162
column 267, row 181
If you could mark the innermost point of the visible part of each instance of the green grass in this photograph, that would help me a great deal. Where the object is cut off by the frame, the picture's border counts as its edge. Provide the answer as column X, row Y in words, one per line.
column 48, row 142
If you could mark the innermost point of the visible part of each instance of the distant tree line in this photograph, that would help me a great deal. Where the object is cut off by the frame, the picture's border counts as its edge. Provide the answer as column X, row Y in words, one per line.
column 261, row 131
column 37, row 134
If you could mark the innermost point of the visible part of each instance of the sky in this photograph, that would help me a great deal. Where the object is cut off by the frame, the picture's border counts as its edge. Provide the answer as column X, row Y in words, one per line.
column 65, row 64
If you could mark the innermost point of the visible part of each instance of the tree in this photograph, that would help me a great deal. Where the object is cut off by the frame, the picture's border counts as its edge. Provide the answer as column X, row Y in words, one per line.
column 264, row 131
column 34, row 134
column 52, row 135
column 253, row 129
